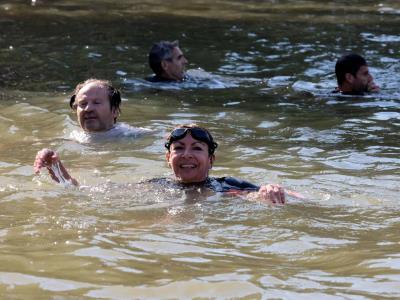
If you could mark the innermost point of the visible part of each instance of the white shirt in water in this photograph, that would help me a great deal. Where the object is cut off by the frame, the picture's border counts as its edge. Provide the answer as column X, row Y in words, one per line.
column 120, row 130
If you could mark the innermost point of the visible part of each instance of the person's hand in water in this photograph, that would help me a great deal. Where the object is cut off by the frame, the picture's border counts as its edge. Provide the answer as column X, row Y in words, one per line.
column 273, row 194
column 270, row 193
column 47, row 158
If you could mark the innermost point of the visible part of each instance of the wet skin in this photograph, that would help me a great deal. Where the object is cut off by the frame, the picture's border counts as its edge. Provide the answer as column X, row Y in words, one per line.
column 93, row 108
column 360, row 83
column 189, row 160
column 174, row 69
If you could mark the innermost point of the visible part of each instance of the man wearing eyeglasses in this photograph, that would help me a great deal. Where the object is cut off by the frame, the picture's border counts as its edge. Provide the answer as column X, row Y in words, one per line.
column 167, row 62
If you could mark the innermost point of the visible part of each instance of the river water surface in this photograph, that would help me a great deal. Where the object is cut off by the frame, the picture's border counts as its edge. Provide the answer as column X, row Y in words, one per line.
column 264, row 92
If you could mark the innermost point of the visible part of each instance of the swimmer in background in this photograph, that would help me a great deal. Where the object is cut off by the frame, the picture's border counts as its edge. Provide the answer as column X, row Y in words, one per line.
column 353, row 76
column 167, row 62
column 190, row 154
column 97, row 106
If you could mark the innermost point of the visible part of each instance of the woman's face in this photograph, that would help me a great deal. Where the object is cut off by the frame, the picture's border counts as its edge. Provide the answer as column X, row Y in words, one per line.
column 189, row 159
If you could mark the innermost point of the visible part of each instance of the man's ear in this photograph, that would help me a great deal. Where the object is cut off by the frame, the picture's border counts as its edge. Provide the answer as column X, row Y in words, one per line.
column 212, row 159
column 115, row 113
column 167, row 155
column 164, row 65
column 349, row 77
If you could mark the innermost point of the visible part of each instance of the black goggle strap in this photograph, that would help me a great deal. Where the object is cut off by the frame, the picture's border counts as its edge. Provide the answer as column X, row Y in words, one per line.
column 176, row 134
column 197, row 133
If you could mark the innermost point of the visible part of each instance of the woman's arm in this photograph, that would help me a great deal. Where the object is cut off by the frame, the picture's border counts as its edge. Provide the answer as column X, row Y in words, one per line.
column 49, row 159
column 271, row 193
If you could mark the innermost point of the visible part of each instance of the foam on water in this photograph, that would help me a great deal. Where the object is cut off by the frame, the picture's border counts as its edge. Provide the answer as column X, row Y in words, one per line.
column 383, row 38
column 56, row 168
column 120, row 130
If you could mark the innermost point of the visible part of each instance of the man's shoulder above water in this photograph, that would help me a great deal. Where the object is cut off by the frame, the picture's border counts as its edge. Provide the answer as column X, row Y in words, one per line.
column 120, row 130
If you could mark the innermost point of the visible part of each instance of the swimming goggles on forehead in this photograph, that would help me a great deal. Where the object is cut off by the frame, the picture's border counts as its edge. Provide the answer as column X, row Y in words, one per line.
column 197, row 133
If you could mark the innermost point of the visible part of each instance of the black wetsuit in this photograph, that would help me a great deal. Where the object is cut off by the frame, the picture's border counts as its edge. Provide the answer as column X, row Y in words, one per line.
column 220, row 184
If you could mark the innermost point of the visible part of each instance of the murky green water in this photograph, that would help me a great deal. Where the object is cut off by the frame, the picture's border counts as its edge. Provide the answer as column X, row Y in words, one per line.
column 269, row 106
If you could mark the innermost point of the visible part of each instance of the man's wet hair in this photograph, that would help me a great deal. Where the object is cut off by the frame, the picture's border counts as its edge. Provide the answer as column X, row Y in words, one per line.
column 114, row 96
column 159, row 52
column 348, row 63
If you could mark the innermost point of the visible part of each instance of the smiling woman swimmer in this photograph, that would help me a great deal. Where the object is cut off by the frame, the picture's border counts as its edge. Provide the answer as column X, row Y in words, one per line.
column 190, row 154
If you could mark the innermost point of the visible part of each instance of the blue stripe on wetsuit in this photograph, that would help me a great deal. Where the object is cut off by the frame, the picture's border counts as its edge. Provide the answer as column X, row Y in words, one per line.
column 226, row 184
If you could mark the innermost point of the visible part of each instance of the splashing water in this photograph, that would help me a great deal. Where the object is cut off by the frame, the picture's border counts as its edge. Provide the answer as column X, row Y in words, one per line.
column 56, row 169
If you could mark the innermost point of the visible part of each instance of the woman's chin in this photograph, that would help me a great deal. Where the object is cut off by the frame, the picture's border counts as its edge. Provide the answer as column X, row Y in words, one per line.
column 191, row 179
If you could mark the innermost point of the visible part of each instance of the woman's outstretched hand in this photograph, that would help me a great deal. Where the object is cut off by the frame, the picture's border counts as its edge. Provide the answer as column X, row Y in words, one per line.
column 270, row 193
column 47, row 158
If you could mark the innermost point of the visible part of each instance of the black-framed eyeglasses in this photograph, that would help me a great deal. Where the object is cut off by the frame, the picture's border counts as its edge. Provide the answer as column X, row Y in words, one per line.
column 197, row 133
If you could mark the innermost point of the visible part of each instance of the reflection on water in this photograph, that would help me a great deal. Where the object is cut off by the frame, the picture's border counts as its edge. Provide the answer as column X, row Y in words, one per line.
column 196, row 79
column 265, row 94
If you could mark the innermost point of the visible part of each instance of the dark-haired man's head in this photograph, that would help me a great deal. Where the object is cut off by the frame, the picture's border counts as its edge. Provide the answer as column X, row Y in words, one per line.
column 353, row 75
column 97, row 105
column 167, row 61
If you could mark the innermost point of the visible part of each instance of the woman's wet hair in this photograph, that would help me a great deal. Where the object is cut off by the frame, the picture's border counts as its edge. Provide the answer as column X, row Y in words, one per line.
column 161, row 51
column 197, row 132
column 348, row 63
column 114, row 96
